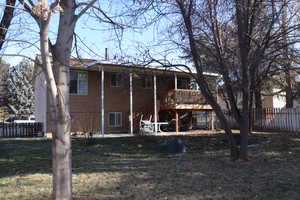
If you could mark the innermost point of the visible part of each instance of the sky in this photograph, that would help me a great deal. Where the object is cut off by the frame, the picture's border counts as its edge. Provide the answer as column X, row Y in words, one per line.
column 94, row 38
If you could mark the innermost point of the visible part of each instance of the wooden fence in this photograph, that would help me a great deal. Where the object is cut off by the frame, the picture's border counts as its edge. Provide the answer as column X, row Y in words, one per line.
column 276, row 119
column 10, row 130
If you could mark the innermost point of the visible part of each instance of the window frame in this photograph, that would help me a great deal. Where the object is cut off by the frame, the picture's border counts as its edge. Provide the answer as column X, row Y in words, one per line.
column 183, row 79
column 115, row 125
column 118, row 75
column 147, row 79
column 77, row 80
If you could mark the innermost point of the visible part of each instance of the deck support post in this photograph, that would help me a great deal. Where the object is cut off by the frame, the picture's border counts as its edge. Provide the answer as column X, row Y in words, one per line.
column 102, row 101
column 177, row 121
column 212, row 120
column 131, row 103
column 155, row 104
column 175, row 81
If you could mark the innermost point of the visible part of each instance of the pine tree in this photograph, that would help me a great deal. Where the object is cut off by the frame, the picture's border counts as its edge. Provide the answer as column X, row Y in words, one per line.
column 20, row 89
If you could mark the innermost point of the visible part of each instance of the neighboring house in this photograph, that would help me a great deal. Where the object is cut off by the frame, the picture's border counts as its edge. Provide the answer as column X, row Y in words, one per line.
column 107, row 97
column 268, row 101
column 274, row 101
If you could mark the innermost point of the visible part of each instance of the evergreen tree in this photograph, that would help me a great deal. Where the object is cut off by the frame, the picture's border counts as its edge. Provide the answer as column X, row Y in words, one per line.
column 3, row 89
column 20, row 89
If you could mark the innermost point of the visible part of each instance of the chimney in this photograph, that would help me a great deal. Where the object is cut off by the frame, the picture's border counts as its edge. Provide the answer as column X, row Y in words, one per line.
column 106, row 54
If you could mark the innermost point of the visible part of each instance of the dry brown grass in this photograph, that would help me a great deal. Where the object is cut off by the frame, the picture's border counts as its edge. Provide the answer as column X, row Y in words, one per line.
column 133, row 168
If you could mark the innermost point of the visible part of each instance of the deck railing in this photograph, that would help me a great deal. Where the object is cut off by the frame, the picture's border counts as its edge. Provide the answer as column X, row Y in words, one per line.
column 175, row 97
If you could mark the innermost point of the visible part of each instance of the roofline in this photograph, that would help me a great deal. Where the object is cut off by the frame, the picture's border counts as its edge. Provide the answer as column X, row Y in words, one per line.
column 148, row 67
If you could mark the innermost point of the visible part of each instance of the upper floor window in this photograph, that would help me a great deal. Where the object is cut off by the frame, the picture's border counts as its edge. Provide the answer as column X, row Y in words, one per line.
column 147, row 82
column 115, row 80
column 78, row 82
column 194, row 85
column 183, row 83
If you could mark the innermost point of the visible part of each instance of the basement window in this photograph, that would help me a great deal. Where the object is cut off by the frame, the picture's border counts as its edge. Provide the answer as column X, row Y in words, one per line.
column 78, row 82
column 115, row 119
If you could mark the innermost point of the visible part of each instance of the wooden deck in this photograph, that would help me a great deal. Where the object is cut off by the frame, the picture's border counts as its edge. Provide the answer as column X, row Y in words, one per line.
column 184, row 100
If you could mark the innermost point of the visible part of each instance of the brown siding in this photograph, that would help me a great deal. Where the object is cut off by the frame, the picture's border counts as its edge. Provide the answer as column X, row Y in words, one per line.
column 86, row 111
column 117, row 99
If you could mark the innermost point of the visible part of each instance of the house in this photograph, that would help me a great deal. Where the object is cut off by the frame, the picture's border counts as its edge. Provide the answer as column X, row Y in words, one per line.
column 275, row 100
column 109, row 97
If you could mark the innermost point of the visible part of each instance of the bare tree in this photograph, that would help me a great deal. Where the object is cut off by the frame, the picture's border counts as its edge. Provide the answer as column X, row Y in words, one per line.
column 55, row 61
column 57, row 75
column 238, row 39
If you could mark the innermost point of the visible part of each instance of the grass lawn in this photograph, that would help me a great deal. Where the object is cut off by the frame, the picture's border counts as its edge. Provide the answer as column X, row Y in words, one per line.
column 133, row 168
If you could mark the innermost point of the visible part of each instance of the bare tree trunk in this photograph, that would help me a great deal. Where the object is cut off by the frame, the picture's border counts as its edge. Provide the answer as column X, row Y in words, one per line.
column 242, row 10
column 6, row 20
column 258, row 103
column 62, row 160
column 234, row 151
column 204, row 87
column 289, row 90
column 286, row 60
column 57, row 75
column 251, row 113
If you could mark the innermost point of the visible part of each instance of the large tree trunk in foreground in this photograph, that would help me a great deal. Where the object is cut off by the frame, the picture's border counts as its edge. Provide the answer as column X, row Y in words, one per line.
column 62, row 160
column 242, row 10
column 62, row 153
column 61, row 143
column 57, row 74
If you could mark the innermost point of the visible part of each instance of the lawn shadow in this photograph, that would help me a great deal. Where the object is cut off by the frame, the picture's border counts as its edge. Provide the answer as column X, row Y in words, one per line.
column 134, row 167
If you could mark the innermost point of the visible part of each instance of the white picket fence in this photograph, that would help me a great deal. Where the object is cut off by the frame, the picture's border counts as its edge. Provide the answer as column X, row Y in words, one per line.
column 284, row 119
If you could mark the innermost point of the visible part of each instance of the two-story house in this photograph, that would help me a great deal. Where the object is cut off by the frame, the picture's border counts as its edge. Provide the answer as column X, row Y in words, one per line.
column 109, row 97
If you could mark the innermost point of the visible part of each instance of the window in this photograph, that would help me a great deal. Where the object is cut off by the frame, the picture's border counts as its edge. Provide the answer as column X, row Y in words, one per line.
column 194, row 85
column 115, row 119
column 147, row 82
column 115, row 80
column 183, row 83
column 78, row 82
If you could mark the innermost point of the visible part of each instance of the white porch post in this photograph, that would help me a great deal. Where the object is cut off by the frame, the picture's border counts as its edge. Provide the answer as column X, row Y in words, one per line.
column 212, row 120
column 175, row 78
column 155, row 105
column 131, row 107
column 177, row 121
column 102, row 101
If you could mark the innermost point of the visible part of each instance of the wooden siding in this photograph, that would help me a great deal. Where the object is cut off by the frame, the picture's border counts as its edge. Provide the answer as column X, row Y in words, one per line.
column 183, row 99
column 86, row 109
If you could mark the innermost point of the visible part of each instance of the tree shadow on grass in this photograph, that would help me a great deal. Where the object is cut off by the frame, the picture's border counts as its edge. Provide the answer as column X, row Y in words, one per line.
column 34, row 156
column 134, row 168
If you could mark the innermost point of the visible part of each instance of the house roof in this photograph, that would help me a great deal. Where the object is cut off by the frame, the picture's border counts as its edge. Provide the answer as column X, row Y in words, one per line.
column 95, row 64
column 81, row 61
column 92, row 64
